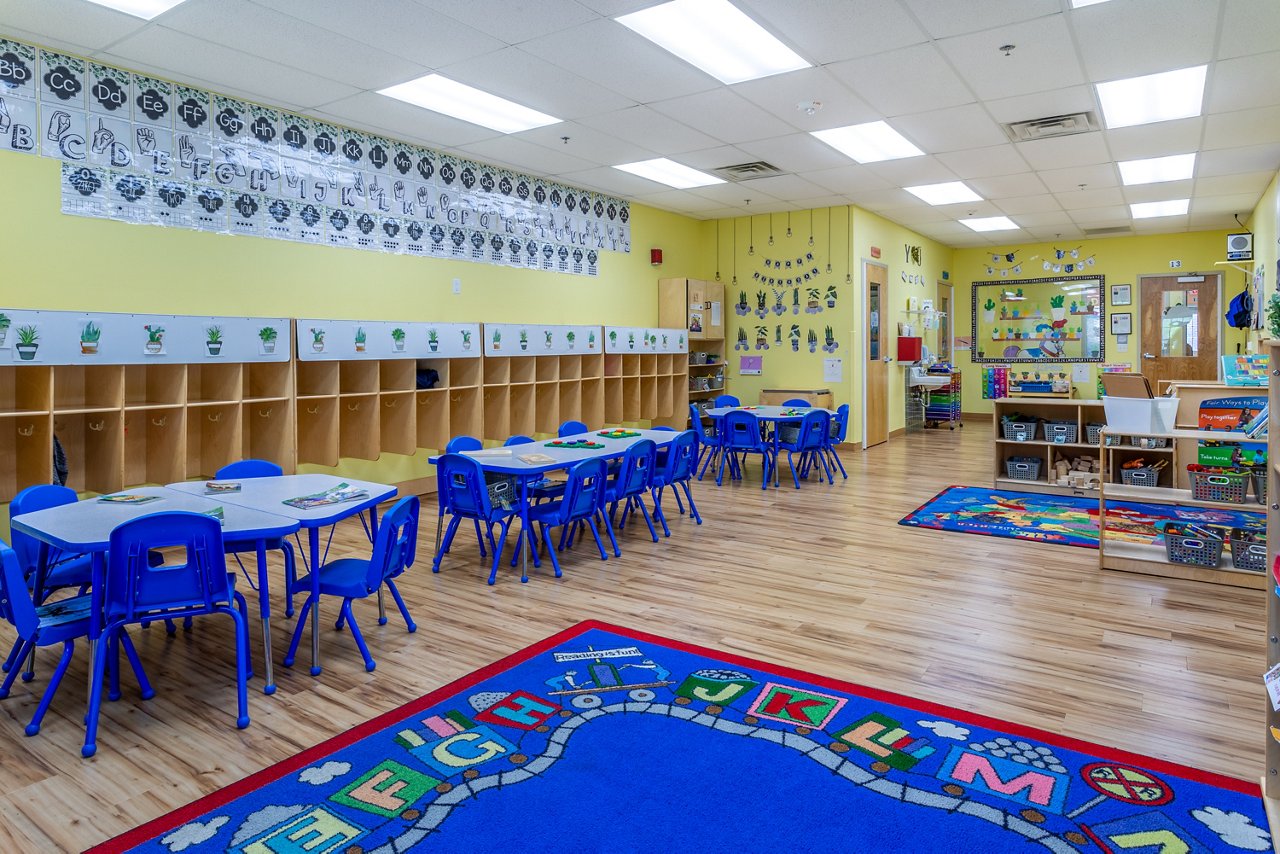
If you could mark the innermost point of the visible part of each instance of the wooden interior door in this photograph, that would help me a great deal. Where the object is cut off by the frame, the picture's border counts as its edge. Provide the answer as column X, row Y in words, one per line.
column 1179, row 328
column 875, row 403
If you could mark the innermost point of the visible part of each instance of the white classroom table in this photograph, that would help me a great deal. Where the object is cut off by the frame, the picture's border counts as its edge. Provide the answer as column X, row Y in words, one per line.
column 773, row 414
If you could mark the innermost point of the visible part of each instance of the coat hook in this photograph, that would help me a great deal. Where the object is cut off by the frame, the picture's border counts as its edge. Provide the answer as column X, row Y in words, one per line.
column 97, row 428
column 353, row 407
column 313, row 410
column 29, row 430
column 160, row 422
column 214, row 416
column 264, row 413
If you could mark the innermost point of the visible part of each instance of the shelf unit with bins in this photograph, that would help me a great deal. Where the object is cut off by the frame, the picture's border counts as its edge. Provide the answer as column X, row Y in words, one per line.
column 1271, row 779
column 1080, row 412
column 1152, row 559
column 678, row 301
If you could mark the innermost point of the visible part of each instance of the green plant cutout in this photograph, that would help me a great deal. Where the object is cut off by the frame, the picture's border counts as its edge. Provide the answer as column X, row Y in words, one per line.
column 317, row 340
column 814, row 300
column 631, row 340
column 613, row 338
column 524, row 340
column 989, row 305
column 546, row 334
column 89, row 337
column 813, row 341
column 831, row 296
column 762, row 301
column 268, row 336
column 5, row 321
column 570, row 336
column 466, row 339
column 398, row 335
column 497, row 339
column 591, row 340
column 155, row 338
column 361, row 338
column 28, row 342
column 742, row 340
column 213, row 340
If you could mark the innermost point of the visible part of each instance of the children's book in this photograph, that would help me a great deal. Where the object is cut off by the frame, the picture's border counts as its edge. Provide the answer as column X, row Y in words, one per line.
column 216, row 513
column 218, row 487
column 536, row 459
column 126, row 498
column 337, row 495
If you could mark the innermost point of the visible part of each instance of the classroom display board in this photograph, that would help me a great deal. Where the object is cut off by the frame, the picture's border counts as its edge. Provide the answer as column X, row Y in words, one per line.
column 516, row 339
column 640, row 339
column 1039, row 320
column 331, row 340
column 143, row 150
column 103, row 338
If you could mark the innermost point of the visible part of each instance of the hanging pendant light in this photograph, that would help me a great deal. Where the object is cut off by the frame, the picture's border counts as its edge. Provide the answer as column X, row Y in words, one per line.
column 810, row 226
column 848, row 270
column 828, row 241
column 717, row 250
column 735, row 252
column 788, row 223
column 770, row 229
column 751, row 247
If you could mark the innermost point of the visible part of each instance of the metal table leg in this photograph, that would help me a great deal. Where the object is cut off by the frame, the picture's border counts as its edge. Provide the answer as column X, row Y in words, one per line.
column 264, row 605
column 313, row 543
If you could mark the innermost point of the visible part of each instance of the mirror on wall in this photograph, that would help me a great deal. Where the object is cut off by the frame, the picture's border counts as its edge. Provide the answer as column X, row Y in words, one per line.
column 1056, row 319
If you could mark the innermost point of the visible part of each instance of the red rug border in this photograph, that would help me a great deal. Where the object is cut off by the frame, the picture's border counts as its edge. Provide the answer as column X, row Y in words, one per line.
column 213, row 800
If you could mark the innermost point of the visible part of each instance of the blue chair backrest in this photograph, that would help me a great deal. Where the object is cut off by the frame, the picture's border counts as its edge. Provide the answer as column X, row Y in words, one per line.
column 840, row 424
column 584, row 490
column 463, row 443
column 681, row 455
column 517, row 440
column 461, row 486
column 699, row 429
column 395, row 545
column 29, row 500
column 727, row 400
column 134, row 587
column 815, row 427
column 15, row 601
column 248, row 469
column 572, row 428
column 740, row 430
column 664, row 429
column 796, row 401
column 635, row 472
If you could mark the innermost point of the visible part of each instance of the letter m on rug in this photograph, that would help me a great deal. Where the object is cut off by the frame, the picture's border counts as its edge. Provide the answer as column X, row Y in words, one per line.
column 1005, row 779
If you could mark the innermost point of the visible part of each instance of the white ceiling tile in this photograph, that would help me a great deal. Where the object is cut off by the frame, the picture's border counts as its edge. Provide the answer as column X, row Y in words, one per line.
column 55, row 44
column 1007, row 186
column 1069, row 180
column 1233, row 161
column 524, row 156
column 658, row 131
column 852, row 178
column 783, row 187
column 589, row 143
column 910, row 80
column 984, row 162
column 1233, row 203
column 609, row 180
column 922, row 213
column 526, row 79
column 825, row 31
column 1174, row 34
column 1159, row 192
column 942, row 18
column 1075, row 200
column 1040, row 219
column 1102, row 217
column 723, row 115
column 912, row 171
column 1043, row 105
column 404, row 121
column 514, row 22
column 1044, row 58
column 681, row 202
column 1247, row 127
column 880, row 200
column 951, row 129
column 731, row 193
column 1249, row 27
column 1211, row 222
column 1082, row 149
column 72, row 22
column 797, row 152
column 714, row 158
column 1244, row 83
column 780, row 94
column 1181, row 136
column 1245, row 182
column 1030, row 205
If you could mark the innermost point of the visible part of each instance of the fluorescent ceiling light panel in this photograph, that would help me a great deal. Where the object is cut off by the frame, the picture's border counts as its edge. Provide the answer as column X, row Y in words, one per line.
column 716, row 37
column 1154, row 98
column 1170, row 207
column 1080, row 4
column 989, row 223
column 442, row 95
column 146, row 9
column 868, row 143
column 1153, row 170
column 669, row 172
column 948, row 193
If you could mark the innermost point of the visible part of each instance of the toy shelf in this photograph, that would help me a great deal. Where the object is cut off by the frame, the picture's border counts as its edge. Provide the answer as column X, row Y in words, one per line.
column 678, row 301
column 1271, row 778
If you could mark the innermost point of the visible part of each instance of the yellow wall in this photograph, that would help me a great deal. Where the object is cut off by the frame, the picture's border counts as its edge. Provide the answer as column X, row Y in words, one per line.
column 1264, row 222
column 1121, row 260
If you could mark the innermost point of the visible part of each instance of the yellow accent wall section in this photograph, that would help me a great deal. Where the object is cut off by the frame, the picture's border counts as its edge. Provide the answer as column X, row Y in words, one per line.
column 1264, row 222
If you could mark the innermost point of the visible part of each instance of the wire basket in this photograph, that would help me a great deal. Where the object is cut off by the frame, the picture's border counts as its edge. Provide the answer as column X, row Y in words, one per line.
column 1093, row 433
column 1248, row 550
column 1019, row 431
column 1061, row 432
column 1145, row 476
column 504, row 492
column 1149, row 442
column 1258, row 474
column 1196, row 551
column 1228, row 486
column 1023, row 468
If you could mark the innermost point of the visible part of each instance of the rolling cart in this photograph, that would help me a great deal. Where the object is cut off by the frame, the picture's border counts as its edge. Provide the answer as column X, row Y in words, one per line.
column 942, row 405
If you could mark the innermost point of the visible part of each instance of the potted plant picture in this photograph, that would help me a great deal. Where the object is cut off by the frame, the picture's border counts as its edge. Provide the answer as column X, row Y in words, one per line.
column 466, row 339
column 268, row 336
column 794, row 336
column 680, row 341
column 631, row 340
column 778, row 307
column 213, row 340
column 795, row 301
column 317, row 340
column 28, row 342
column 570, row 336
column 664, row 342
column 813, row 341
column 591, row 340
column 361, row 338
column 546, row 335
column 830, row 345
column 398, row 335
column 155, row 339
column 613, row 338
column 762, row 300
column 777, row 335
column 1057, row 306
column 742, row 308
column 4, row 327
column 989, row 311
column 762, row 338
column 89, row 337
column 524, row 340
column 831, row 296
column 497, row 339
column 814, row 296
column 742, row 341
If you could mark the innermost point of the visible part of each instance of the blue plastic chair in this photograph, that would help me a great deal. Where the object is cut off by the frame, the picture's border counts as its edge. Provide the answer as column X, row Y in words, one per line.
column 64, row 622
column 740, row 434
column 726, row 400
column 464, row 495
column 838, row 435
column 517, row 440
column 810, row 443
column 136, row 592
column 245, row 470
column 708, row 443
column 582, row 504
column 682, row 459
column 571, row 428
column 457, row 445
column 633, row 479
column 796, row 401
column 352, row 578
column 65, row 570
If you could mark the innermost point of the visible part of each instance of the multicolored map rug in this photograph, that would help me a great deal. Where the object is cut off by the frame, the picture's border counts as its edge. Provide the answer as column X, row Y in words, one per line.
column 1063, row 519
column 605, row 739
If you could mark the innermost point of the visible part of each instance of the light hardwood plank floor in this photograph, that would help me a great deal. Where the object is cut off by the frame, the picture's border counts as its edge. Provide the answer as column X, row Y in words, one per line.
column 821, row 579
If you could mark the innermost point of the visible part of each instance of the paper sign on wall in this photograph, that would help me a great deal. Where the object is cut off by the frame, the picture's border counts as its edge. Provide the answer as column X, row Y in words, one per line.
column 750, row 366
column 832, row 370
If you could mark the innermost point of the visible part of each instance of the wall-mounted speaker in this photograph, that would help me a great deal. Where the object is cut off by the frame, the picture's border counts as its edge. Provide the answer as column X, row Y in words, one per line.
column 1240, row 247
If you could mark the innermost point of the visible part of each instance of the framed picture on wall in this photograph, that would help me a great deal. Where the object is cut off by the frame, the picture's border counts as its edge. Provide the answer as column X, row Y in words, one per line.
column 1122, row 323
column 1121, row 295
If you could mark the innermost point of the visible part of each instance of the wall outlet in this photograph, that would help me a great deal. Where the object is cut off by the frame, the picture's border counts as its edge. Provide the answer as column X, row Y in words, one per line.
column 457, row 286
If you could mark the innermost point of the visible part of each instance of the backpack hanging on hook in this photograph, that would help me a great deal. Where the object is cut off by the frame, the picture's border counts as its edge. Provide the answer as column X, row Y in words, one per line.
column 1240, row 312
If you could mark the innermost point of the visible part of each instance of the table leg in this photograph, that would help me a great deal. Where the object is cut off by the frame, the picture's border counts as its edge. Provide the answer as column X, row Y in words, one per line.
column 776, row 449
column 530, row 543
column 264, row 603
column 98, row 582
column 313, row 542
column 382, row 609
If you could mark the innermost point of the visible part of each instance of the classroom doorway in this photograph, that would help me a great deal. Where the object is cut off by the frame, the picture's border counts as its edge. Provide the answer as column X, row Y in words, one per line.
column 875, row 387
column 942, row 304
column 1179, row 339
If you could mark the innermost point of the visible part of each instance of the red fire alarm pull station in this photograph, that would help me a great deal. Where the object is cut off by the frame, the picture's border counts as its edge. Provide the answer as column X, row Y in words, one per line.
column 655, row 257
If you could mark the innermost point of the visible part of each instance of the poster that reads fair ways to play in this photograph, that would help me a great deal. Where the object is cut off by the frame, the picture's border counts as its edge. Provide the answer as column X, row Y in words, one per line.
column 1231, row 414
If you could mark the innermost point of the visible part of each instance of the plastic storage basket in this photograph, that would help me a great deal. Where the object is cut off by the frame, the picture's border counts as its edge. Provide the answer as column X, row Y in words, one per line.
column 1093, row 433
column 1194, row 550
column 1145, row 476
column 1258, row 474
column 1229, row 487
column 1023, row 468
column 1061, row 432
column 503, row 491
column 1019, row 431
column 1248, row 550
column 1149, row 441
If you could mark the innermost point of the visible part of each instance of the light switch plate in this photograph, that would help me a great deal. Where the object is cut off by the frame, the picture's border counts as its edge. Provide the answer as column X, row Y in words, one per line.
column 457, row 286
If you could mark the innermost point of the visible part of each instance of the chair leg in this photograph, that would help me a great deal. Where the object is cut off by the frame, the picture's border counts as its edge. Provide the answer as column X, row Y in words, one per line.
column 68, row 649
column 720, row 472
column 444, row 544
column 369, row 663
column 479, row 538
column 693, row 508
column 242, row 665
column 404, row 611
column 22, row 648
column 95, row 696
column 836, row 457
column 546, row 539
column 297, row 632
column 112, row 649
column 497, row 552
column 617, row 552
column 644, row 512
column 656, row 494
column 13, row 657
column 791, row 464
column 144, row 684
column 290, row 575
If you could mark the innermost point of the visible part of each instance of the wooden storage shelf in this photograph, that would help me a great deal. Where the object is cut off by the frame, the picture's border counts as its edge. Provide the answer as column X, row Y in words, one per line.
column 497, row 412
column 547, row 368
column 464, row 373
column 155, row 385
column 94, row 445
column 593, row 405
column 592, row 366
column 1078, row 412
column 524, row 369
column 613, row 400
column 317, row 421
column 398, row 422
column 26, row 389
column 570, row 368
column 316, row 379
column 569, row 403
column 465, row 413
column 269, row 432
column 433, row 418
column 631, row 399
column 648, row 365
column 86, row 388
column 497, row 371
column 25, row 442
column 154, row 446
column 214, row 438
column 522, row 414
column 268, row 381
column 612, row 364
column 547, row 400
column 357, row 377
column 397, row 375
column 214, row 383
column 358, row 432
column 630, row 366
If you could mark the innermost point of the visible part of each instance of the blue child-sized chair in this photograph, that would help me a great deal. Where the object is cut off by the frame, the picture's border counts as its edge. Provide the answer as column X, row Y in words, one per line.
column 797, row 401
column 708, row 442
column 810, row 443
column 138, row 592
column 64, row 570
column 682, row 458
column 726, row 400
column 571, row 428
column 740, row 434
column 464, row 494
column 517, row 439
column 358, row 578
column 244, row 470
column 582, row 504
column 457, row 445
column 630, row 483
column 839, row 434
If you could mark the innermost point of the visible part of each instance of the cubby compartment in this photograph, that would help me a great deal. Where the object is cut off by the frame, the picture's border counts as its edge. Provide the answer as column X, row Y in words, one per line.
column 1020, row 474
column 1149, row 458
column 317, row 421
column 612, row 363
column 631, row 400
column 613, row 401
column 396, row 375
column 153, row 445
column 25, row 458
column 548, row 368
column 593, row 408
column 522, row 415
column 665, row 406
column 523, row 370
column 592, row 366
column 358, row 432
column 571, row 401
column 664, row 364
column 497, row 371
column 648, row 397
column 549, row 410
column 433, row 419
column 648, row 365
column 631, row 366
column 26, row 389
column 397, row 422
column 83, row 388
column 357, row 377
column 93, row 443
column 571, row 367
column 464, row 373
column 213, row 438
column 317, row 379
column 465, row 412
column 154, row 385
column 269, row 432
column 266, row 380
column 213, row 383
column 497, row 412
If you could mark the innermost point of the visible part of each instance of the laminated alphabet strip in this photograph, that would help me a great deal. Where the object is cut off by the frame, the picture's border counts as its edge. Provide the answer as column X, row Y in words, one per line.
column 153, row 152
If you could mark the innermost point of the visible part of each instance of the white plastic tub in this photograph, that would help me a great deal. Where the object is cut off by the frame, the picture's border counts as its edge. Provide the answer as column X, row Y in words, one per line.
column 1140, row 416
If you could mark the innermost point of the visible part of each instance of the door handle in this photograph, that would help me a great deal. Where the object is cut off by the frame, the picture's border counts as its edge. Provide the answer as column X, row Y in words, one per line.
column 888, row 358
column 1148, row 355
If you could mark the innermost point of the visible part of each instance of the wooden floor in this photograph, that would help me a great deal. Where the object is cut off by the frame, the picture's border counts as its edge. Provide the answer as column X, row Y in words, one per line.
column 822, row 579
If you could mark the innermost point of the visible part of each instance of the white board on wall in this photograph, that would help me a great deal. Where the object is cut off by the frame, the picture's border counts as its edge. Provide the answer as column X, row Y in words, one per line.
column 645, row 339
column 330, row 339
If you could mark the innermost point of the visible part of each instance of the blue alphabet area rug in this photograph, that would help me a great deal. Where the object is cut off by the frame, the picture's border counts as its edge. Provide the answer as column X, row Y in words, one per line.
column 602, row 738
column 1066, row 520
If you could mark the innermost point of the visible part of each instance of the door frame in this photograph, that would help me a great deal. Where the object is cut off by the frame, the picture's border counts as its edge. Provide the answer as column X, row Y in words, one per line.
column 1138, row 307
column 865, row 349
column 951, row 326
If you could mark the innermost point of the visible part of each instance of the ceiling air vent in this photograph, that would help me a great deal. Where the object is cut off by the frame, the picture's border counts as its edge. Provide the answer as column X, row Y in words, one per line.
column 1108, row 231
column 747, row 171
column 1052, row 126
